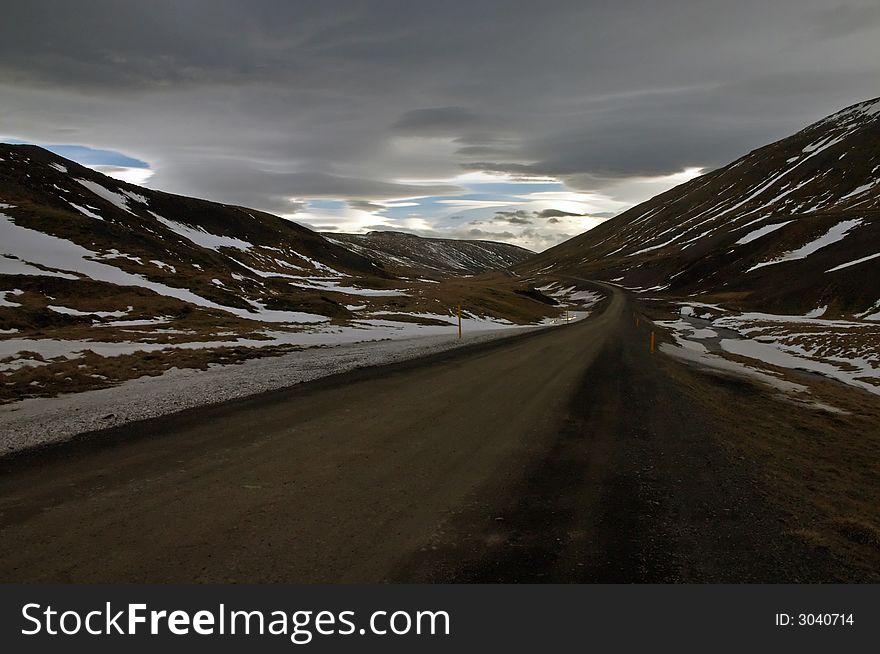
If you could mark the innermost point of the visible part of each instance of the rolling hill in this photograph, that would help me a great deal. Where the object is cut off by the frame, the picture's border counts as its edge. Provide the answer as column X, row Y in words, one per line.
column 417, row 255
column 102, row 280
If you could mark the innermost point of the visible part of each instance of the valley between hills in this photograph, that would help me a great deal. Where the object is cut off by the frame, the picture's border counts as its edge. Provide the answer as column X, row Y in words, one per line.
column 688, row 392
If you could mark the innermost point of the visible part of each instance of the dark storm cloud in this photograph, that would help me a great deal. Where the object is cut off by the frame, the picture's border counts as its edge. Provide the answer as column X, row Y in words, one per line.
column 552, row 216
column 436, row 121
column 489, row 236
column 239, row 183
column 555, row 213
column 481, row 150
column 518, row 217
column 364, row 205
column 258, row 102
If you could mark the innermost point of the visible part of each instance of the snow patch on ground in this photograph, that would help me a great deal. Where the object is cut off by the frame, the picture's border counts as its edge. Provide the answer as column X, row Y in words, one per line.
column 840, row 349
column 700, row 357
column 570, row 295
column 12, row 265
column 159, row 320
column 167, row 266
column 324, row 284
column 4, row 302
column 687, row 330
column 741, row 322
column 774, row 355
column 76, row 312
column 719, row 363
column 113, row 253
column 370, row 328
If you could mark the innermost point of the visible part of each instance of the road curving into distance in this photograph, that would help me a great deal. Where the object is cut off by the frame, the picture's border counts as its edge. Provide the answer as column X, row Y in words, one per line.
column 567, row 454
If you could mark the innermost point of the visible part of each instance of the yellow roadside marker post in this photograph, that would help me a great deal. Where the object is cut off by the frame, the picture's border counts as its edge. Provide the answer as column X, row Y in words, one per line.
column 459, row 321
column 652, row 342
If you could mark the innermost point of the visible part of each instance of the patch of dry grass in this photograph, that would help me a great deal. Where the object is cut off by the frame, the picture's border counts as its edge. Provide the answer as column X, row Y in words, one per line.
column 858, row 530
column 818, row 468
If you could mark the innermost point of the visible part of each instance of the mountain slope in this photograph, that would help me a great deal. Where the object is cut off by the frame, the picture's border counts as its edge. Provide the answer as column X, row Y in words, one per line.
column 63, row 221
column 102, row 281
column 412, row 254
column 787, row 228
column 181, row 247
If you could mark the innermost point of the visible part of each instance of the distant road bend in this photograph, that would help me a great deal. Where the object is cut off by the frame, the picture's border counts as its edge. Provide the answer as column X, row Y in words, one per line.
column 568, row 454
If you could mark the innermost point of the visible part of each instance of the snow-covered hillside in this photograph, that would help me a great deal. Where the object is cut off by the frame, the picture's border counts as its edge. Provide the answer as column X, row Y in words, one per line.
column 102, row 281
column 786, row 228
column 427, row 256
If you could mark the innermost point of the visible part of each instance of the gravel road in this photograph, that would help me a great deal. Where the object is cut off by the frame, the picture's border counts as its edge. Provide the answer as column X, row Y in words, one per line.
column 570, row 454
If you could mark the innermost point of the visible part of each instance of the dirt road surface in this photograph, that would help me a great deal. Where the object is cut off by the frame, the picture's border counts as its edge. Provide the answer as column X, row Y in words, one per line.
column 571, row 454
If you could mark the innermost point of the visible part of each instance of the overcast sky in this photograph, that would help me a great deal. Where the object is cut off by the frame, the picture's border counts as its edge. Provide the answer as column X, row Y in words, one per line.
column 475, row 119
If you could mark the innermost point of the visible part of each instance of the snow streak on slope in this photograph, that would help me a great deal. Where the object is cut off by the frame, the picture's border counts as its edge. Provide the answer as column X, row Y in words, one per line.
column 761, row 231
column 812, row 200
column 116, row 199
column 202, row 237
column 33, row 247
column 854, row 263
column 833, row 235
column 85, row 211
